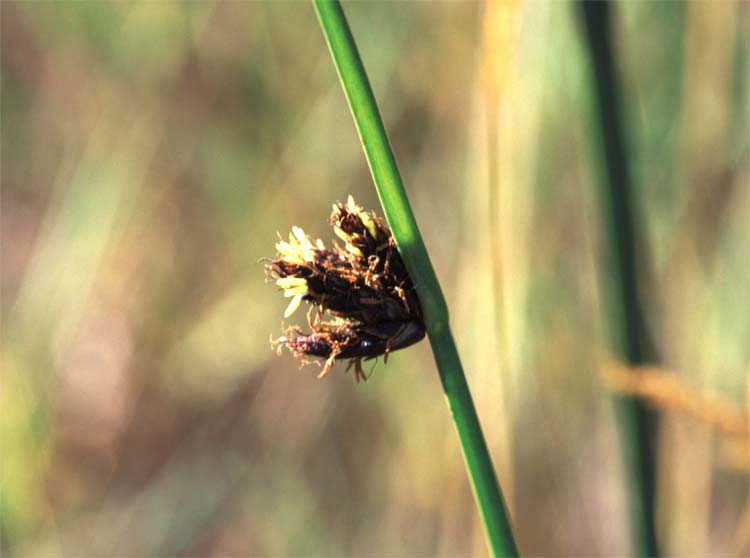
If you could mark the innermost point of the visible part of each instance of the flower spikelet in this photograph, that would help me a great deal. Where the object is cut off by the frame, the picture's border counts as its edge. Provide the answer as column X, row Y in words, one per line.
column 362, row 300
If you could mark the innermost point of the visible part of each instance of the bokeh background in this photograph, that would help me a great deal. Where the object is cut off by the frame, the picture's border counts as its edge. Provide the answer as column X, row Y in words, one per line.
column 152, row 150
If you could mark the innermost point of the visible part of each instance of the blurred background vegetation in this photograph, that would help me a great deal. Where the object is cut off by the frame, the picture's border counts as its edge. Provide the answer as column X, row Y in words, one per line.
column 150, row 153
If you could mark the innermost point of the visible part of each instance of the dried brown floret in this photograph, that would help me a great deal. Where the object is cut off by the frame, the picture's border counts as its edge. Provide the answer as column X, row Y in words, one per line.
column 364, row 287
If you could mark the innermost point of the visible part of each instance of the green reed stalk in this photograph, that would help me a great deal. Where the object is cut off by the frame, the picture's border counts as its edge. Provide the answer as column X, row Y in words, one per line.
column 620, row 282
column 406, row 233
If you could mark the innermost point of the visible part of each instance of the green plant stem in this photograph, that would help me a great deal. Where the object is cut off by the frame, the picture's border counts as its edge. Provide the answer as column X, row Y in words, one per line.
column 620, row 281
column 406, row 233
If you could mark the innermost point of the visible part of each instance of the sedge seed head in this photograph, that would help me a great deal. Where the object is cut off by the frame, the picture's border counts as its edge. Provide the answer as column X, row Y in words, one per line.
column 362, row 301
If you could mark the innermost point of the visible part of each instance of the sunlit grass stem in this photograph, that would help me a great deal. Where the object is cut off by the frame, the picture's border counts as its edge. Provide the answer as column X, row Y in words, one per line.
column 406, row 233
column 619, row 282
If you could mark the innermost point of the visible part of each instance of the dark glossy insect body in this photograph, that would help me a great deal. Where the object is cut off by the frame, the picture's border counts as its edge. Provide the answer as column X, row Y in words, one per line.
column 381, row 339
column 367, row 343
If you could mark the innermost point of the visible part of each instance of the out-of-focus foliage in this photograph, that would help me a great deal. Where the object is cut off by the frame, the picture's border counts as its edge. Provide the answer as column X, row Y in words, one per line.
column 150, row 153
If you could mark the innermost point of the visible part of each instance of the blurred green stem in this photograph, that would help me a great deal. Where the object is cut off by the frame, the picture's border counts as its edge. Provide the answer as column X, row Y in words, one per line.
column 620, row 283
column 409, row 241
